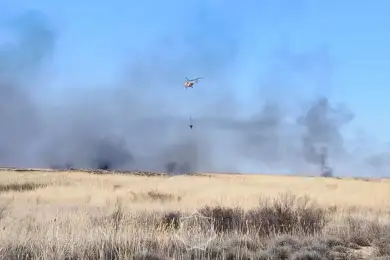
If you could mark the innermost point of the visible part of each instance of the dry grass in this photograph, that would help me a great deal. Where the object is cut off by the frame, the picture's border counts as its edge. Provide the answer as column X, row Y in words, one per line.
column 77, row 215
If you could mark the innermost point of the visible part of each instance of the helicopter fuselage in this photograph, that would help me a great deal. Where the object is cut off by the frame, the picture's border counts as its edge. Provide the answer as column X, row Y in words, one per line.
column 188, row 84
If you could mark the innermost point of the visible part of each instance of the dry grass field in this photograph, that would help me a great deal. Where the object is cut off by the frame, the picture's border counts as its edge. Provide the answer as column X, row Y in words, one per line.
column 80, row 215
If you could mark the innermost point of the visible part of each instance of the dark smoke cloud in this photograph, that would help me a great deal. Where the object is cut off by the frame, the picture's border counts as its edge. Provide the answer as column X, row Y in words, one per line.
column 322, row 124
column 19, row 61
column 129, row 127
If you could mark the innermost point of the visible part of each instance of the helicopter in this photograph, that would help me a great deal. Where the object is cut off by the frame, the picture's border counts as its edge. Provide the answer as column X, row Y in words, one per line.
column 190, row 82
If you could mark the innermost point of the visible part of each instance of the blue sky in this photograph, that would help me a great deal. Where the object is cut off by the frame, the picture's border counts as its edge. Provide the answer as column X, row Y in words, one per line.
column 291, row 49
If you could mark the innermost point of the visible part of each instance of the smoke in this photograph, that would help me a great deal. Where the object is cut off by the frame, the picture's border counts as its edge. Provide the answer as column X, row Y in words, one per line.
column 322, row 125
column 141, row 121
column 32, row 41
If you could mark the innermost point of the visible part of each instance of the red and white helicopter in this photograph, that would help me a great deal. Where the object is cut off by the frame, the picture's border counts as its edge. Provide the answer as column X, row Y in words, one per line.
column 190, row 82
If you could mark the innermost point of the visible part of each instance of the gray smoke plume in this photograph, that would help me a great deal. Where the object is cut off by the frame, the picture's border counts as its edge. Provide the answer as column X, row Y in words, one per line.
column 322, row 125
column 129, row 127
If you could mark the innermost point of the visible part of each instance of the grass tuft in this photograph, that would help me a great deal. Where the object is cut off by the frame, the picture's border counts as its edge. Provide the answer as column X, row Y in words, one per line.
column 20, row 187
